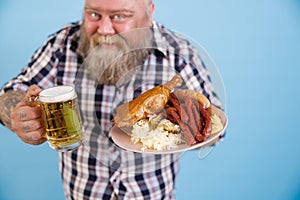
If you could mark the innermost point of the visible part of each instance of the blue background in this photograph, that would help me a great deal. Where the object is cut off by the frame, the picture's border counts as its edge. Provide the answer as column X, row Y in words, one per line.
column 256, row 46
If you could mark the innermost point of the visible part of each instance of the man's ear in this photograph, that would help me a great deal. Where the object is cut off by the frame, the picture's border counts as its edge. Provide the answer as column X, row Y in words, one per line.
column 151, row 9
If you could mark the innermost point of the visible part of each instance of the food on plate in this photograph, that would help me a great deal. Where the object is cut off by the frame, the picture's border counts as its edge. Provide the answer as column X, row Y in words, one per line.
column 192, row 118
column 161, row 119
column 216, row 124
column 165, row 135
column 149, row 103
column 204, row 102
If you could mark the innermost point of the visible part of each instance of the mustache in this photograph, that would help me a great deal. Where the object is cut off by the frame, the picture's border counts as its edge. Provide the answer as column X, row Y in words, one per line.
column 136, row 39
column 115, row 40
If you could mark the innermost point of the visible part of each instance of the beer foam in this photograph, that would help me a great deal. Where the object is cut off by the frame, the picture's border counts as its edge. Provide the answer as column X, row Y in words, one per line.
column 57, row 94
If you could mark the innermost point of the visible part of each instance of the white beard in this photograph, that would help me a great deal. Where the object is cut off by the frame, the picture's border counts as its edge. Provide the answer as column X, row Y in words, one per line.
column 108, row 64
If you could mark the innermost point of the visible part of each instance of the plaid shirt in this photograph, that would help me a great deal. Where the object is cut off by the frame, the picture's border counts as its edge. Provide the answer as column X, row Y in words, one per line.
column 99, row 169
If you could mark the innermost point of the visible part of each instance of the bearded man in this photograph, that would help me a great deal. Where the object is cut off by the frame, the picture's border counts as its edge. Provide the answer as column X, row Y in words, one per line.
column 114, row 54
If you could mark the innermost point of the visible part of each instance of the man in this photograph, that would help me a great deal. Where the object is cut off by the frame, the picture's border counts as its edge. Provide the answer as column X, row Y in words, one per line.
column 87, row 56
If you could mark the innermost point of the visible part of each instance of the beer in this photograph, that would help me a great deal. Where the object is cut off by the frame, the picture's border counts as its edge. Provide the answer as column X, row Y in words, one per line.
column 62, row 119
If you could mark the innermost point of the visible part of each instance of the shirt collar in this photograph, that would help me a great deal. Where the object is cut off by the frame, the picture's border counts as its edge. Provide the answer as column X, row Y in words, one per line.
column 159, row 41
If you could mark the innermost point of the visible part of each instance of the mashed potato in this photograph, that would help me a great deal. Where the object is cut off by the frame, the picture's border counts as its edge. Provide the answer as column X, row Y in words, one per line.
column 165, row 136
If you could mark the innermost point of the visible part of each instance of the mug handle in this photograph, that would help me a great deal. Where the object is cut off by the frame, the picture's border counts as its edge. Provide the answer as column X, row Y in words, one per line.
column 34, row 100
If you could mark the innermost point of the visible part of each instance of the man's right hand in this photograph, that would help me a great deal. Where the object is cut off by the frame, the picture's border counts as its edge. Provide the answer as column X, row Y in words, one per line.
column 26, row 118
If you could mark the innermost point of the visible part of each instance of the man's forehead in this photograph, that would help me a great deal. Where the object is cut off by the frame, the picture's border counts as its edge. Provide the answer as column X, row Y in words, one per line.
column 112, row 5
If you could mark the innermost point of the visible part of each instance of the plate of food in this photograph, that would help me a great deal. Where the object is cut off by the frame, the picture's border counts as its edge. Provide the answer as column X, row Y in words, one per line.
column 164, row 121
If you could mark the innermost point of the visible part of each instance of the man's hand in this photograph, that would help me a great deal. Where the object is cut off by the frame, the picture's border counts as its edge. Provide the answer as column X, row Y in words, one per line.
column 26, row 118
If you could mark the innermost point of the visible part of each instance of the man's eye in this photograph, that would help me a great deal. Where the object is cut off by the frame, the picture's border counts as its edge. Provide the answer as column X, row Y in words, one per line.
column 118, row 17
column 94, row 15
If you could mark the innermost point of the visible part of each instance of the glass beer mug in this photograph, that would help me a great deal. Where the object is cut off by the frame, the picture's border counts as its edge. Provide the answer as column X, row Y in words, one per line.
column 64, row 131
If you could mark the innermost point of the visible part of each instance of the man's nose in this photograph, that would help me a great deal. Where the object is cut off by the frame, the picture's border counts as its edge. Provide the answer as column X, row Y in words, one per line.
column 106, row 27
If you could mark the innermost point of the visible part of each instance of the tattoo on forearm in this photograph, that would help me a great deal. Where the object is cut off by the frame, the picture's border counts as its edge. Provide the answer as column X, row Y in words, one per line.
column 8, row 101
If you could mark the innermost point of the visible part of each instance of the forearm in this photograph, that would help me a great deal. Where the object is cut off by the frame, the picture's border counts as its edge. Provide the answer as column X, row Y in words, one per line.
column 8, row 101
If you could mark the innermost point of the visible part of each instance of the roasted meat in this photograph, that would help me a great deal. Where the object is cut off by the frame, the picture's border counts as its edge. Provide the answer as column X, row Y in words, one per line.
column 149, row 103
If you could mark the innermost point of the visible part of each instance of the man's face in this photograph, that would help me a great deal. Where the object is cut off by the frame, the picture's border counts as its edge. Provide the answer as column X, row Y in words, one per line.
column 109, row 17
column 112, row 39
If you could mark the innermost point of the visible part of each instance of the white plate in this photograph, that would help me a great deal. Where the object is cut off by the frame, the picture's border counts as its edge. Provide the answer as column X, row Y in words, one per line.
column 123, row 140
